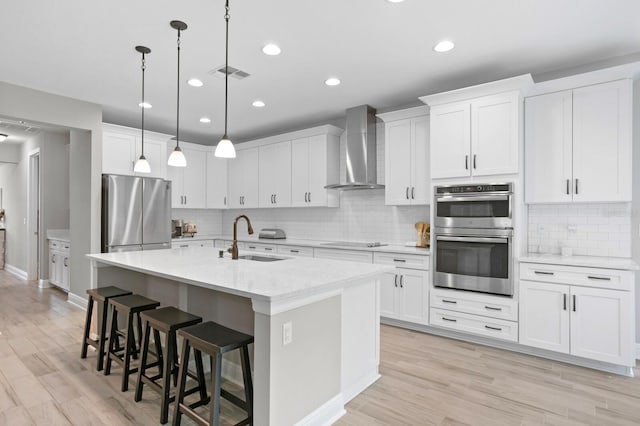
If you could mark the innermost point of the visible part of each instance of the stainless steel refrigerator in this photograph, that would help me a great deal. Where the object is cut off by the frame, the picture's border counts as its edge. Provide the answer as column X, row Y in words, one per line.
column 136, row 213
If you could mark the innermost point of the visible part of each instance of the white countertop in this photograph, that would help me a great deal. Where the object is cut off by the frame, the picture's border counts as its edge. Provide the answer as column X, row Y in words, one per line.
column 390, row 248
column 59, row 234
column 586, row 261
column 271, row 281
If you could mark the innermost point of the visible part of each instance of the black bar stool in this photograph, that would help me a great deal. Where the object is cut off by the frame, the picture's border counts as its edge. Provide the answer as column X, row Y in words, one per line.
column 130, row 306
column 168, row 320
column 99, row 295
column 214, row 339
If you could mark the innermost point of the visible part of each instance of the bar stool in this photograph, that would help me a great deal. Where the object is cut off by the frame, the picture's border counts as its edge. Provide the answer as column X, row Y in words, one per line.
column 130, row 306
column 99, row 295
column 168, row 320
column 215, row 340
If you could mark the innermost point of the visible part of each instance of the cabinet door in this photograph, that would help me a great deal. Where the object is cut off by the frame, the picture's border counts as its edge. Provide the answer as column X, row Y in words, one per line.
column 155, row 151
column 397, row 148
column 250, row 171
column 494, row 135
column 548, row 151
column 323, row 169
column 413, row 295
column 176, row 176
column 216, row 182
column 450, row 140
column 65, row 281
column 420, row 165
column 118, row 153
column 388, row 293
column 544, row 316
column 275, row 175
column 195, row 179
column 601, row 325
column 52, row 268
column 300, row 164
column 602, row 142
column 235, row 183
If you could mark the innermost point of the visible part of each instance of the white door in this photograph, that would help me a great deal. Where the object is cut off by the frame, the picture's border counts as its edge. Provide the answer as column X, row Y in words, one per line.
column 544, row 315
column 250, row 171
column 275, row 175
column 548, row 148
column 420, row 165
column 155, row 151
column 118, row 153
column 450, row 140
column 300, row 164
column 397, row 148
column 216, row 182
column 319, row 148
column 388, row 292
column 494, row 135
column 176, row 176
column 602, row 142
column 195, row 179
column 601, row 325
column 413, row 295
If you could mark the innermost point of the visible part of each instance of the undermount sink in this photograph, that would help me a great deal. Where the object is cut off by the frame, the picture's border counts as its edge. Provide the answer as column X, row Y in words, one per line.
column 258, row 258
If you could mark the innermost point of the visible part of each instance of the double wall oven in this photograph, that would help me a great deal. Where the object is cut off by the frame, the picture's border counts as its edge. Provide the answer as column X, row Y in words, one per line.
column 473, row 238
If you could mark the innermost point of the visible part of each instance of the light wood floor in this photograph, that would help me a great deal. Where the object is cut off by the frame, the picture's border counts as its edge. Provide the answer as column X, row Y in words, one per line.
column 426, row 380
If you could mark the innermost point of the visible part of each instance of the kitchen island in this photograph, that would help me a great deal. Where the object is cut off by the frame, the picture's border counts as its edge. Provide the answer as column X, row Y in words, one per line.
column 331, row 307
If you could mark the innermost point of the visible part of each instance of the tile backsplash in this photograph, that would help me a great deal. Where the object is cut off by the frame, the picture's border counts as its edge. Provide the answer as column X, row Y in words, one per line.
column 589, row 229
column 209, row 222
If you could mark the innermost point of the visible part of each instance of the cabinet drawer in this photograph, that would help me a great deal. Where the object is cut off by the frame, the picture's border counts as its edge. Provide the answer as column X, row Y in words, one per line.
column 475, row 303
column 296, row 251
column 583, row 276
column 415, row 261
column 268, row 248
column 489, row 327
column 349, row 255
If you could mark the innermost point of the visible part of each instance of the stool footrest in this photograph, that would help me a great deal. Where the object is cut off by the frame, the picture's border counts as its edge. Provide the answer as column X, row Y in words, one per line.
column 233, row 399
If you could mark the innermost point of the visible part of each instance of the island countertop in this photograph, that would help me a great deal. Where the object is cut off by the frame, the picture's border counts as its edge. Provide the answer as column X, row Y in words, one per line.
column 268, row 281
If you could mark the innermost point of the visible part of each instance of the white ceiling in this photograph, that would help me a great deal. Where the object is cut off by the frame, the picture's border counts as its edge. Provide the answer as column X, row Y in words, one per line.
column 381, row 51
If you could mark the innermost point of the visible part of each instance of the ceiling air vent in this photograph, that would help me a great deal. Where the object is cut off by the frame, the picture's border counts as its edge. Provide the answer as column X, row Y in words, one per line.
column 233, row 72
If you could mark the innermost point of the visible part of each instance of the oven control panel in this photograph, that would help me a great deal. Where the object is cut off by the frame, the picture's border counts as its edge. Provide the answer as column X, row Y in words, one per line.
column 473, row 189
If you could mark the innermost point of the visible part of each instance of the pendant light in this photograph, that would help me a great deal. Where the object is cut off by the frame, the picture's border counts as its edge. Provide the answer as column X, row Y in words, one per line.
column 225, row 148
column 142, row 165
column 177, row 158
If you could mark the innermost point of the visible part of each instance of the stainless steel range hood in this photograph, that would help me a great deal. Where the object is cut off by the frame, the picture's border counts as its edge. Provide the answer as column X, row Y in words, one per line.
column 361, row 150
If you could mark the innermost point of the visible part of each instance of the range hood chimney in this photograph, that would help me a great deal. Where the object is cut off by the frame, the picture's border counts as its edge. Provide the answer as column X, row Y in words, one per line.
column 361, row 150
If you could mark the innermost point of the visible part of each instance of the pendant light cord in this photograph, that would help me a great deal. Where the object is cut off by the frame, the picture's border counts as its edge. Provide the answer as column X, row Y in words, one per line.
column 226, row 68
column 178, row 98
column 143, row 107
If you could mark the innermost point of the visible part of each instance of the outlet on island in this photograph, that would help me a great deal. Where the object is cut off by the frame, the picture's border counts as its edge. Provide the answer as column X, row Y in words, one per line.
column 287, row 333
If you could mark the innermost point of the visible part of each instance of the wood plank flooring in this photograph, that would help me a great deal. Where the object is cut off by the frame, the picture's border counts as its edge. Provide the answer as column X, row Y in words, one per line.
column 426, row 380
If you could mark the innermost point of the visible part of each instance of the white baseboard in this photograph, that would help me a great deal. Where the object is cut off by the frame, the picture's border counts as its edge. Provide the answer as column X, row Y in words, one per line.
column 44, row 283
column 16, row 271
column 77, row 301
column 325, row 415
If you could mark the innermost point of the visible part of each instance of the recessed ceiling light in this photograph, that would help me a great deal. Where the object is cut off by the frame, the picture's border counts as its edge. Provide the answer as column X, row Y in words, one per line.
column 258, row 104
column 271, row 49
column 144, row 105
column 444, row 46
column 395, row 1
column 332, row 81
column 205, row 120
column 3, row 137
column 195, row 82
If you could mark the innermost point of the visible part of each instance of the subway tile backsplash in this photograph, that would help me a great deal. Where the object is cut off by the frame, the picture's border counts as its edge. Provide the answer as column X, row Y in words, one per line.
column 589, row 229
column 209, row 222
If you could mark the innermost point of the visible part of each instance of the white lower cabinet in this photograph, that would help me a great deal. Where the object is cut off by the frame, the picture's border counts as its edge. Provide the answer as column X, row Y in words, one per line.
column 59, row 264
column 585, row 320
column 485, row 326
column 189, row 244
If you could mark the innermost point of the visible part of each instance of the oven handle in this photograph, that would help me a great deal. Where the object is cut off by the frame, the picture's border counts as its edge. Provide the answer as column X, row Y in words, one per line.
column 471, row 198
column 473, row 239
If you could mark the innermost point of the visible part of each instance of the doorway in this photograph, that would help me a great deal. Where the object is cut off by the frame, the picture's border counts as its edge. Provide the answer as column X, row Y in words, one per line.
column 33, row 217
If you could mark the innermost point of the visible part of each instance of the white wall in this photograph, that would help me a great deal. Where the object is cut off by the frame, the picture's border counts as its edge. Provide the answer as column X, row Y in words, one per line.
column 13, row 217
column 9, row 153
column 209, row 222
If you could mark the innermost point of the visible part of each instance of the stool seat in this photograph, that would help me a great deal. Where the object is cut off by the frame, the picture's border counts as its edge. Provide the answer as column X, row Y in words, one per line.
column 134, row 302
column 215, row 338
column 102, row 293
column 169, row 319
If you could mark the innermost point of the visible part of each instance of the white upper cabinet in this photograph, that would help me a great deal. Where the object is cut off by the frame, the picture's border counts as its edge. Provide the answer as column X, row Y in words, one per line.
column 189, row 184
column 275, row 175
column 122, row 146
column 450, row 140
column 243, row 179
column 216, row 182
column 407, row 176
column 314, row 164
column 578, row 144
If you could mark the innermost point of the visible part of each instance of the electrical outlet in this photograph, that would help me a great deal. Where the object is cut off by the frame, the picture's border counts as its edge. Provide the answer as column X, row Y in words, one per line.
column 287, row 333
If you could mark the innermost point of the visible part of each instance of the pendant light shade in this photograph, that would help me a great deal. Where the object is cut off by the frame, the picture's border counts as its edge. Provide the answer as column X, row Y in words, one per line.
column 225, row 148
column 177, row 158
column 142, row 165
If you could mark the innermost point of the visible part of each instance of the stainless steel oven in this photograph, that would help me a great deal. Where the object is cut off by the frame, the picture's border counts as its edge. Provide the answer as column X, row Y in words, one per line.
column 473, row 247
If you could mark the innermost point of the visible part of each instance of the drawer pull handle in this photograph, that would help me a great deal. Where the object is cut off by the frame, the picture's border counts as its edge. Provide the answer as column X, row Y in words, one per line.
column 449, row 301
column 252, row 247
column 492, row 328
column 449, row 319
column 294, row 251
column 400, row 260
column 268, row 248
column 185, row 245
column 491, row 308
column 395, row 280
column 591, row 277
column 543, row 273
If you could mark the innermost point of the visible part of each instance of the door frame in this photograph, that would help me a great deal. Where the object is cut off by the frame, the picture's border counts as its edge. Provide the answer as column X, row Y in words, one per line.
column 34, row 216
